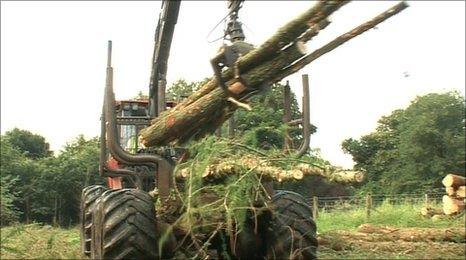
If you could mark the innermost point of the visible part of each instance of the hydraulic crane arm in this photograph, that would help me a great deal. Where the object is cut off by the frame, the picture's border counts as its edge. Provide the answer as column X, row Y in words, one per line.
column 163, row 38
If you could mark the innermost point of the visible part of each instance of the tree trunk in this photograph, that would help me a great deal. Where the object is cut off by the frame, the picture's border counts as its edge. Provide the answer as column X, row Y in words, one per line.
column 59, row 211
column 452, row 180
column 28, row 209
column 341, row 39
column 55, row 213
column 289, row 32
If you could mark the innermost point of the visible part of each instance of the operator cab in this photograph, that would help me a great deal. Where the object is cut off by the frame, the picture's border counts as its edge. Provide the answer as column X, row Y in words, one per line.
column 132, row 117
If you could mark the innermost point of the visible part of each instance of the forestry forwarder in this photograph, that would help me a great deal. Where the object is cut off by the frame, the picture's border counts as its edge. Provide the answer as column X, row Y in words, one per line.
column 119, row 221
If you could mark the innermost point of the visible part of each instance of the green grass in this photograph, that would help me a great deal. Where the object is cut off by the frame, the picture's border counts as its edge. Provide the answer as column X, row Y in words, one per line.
column 35, row 241
column 405, row 215
column 401, row 216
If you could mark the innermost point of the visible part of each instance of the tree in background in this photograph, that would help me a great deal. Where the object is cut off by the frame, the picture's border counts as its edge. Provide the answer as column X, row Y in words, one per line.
column 8, row 212
column 413, row 148
column 63, row 177
column 46, row 189
column 32, row 145
column 181, row 89
column 263, row 126
column 15, row 165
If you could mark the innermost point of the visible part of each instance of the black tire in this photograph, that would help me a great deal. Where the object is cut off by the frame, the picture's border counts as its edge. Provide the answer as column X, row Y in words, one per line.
column 125, row 226
column 89, row 195
column 293, row 231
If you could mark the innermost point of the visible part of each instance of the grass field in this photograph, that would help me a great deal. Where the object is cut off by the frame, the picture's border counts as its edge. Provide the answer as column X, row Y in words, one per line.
column 35, row 241
column 339, row 236
column 398, row 215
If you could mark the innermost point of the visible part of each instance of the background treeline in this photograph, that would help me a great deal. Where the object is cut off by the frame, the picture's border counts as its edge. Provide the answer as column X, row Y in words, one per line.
column 410, row 151
column 37, row 186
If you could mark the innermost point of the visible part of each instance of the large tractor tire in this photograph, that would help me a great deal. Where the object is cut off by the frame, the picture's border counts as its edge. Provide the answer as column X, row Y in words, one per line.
column 293, row 231
column 89, row 197
column 124, row 226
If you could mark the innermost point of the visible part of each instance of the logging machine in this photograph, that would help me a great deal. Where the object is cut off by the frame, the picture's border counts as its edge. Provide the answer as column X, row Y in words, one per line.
column 118, row 220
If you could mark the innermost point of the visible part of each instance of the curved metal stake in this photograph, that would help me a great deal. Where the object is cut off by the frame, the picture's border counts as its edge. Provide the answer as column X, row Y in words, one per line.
column 164, row 169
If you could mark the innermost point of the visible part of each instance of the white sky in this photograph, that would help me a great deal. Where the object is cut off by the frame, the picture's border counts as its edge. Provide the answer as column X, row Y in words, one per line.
column 53, row 58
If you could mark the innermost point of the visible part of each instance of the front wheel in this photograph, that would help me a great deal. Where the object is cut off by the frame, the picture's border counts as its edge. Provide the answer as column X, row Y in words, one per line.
column 125, row 226
column 293, row 231
column 89, row 197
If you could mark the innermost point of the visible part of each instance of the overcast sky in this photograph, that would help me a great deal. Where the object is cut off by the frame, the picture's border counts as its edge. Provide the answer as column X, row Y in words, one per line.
column 53, row 58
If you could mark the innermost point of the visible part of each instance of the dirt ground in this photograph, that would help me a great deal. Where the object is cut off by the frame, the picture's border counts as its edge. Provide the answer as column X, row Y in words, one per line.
column 367, row 242
column 370, row 242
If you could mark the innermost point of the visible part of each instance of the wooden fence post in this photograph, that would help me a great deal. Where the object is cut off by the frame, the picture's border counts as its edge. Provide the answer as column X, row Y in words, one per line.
column 426, row 201
column 368, row 206
column 315, row 205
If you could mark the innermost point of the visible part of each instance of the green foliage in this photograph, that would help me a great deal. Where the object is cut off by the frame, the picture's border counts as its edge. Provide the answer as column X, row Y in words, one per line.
column 233, row 195
column 227, row 196
column 414, row 148
column 140, row 96
column 264, row 137
column 263, row 126
column 396, row 215
column 32, row 145
column 63, row 177
column 47, row 188
column 15, row 165
column 181, row 89
column 8, row 212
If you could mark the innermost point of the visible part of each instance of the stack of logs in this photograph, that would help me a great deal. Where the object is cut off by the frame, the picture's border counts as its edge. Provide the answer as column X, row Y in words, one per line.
column 453, row 202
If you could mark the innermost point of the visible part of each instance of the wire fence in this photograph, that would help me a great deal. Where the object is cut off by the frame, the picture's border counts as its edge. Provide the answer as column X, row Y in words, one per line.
column 340, row 203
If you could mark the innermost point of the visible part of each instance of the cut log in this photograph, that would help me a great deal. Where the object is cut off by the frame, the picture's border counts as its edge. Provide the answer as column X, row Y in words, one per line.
column 453, row 180
column 208, row 108
column 218, row 171
column 451, row 205
column 450, row 191
column 263, row 169
column 428, row 212
column 438, row 217
column 461, row 192
column 290, row 32
column 334, row 175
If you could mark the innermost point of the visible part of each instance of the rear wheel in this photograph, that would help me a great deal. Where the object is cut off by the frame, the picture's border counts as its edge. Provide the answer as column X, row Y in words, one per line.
column 124, row 226
column 89, row 197
column 293, row 231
